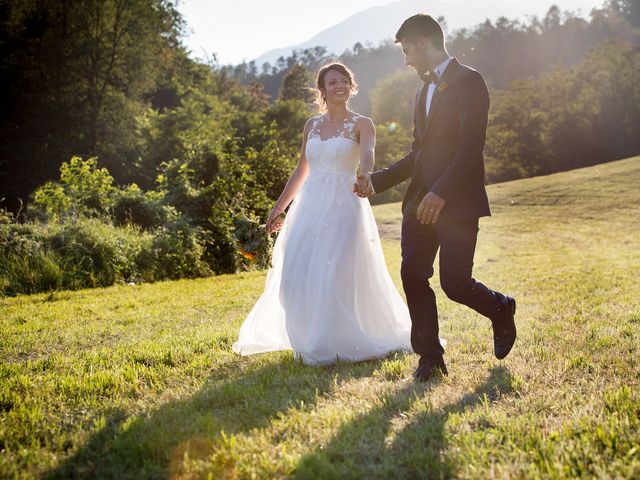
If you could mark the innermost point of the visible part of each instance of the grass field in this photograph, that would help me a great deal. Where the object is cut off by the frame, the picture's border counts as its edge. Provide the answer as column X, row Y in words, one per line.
column 140, row 381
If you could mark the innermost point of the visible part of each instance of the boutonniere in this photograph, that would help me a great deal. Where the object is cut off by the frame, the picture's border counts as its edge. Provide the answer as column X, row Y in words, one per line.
column 442, row 86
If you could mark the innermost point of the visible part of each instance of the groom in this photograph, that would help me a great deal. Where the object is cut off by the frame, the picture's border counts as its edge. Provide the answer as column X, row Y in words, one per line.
column 446, row 195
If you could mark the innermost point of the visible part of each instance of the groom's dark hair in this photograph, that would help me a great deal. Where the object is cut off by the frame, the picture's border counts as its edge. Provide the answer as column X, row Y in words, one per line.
column 421, row 25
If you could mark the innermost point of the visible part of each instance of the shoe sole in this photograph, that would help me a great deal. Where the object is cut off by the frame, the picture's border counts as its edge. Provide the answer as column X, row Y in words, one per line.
column 438, row 374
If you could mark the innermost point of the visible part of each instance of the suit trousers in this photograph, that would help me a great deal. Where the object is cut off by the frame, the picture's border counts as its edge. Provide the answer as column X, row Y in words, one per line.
column 457, row 243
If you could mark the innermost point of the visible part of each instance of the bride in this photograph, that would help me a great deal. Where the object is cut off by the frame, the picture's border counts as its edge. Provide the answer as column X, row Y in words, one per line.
column 328, row 295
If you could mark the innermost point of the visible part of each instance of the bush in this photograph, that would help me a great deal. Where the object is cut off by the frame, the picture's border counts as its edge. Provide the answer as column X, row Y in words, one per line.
column 134, row 207
column 97, row 254
column 26, row 265
column 83, row 189
column 87, row 252
column 178, row 251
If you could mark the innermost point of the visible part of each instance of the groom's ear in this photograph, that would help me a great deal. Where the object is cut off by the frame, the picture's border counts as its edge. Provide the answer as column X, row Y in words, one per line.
column 422, row 43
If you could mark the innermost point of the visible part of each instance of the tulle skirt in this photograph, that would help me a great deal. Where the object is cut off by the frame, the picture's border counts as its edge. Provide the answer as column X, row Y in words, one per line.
column 328, row 295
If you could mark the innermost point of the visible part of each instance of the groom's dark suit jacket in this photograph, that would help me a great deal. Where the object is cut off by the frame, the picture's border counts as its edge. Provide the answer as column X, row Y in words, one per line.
column 446, row 154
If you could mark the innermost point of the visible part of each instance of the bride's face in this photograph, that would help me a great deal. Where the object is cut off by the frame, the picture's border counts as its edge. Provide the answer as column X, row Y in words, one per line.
column 337, row 87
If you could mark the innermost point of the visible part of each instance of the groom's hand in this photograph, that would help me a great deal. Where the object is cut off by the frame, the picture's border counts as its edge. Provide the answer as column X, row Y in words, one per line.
column 429, row 208
column 362, row 187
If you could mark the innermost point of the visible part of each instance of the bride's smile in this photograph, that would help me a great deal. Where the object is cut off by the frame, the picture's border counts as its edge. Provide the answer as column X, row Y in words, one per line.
column 337, row 87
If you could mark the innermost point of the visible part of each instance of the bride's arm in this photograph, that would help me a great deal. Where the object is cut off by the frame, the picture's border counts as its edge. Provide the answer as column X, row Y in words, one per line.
column 294, row 183
column 367, row 156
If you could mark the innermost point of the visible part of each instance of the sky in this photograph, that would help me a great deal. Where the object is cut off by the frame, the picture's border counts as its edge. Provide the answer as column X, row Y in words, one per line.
column 230, row 28
column 237, row 30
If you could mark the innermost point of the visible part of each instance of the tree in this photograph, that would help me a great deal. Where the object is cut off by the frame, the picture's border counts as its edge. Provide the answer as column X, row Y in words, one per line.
column 74, row 76
column 295, row 85
column 629, row 9
column 393, row 97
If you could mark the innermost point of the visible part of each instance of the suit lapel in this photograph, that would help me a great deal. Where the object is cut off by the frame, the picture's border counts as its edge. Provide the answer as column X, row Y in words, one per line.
column 419, row 113
column 437, row 94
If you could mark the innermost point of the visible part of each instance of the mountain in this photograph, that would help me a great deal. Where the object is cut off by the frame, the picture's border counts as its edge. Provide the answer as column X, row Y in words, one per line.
column 379, row 23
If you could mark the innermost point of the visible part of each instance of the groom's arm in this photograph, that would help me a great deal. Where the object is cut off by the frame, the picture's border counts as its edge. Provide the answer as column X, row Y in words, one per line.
column 468, row 159
column 399, row 171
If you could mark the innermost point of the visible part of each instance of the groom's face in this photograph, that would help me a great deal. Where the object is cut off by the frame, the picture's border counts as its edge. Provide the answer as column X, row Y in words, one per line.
column 415, row 54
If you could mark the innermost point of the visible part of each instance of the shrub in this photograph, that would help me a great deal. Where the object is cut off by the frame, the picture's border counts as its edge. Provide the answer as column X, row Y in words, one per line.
column 87, row 252
column 26, row 265
column 83, row 189
column 135, row 207
column 94, row 253
column 178, row 250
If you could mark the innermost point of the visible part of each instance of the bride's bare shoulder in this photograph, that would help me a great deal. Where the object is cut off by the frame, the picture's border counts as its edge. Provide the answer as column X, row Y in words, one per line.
column 358, row 117
column 310, row 123
column 362, row 121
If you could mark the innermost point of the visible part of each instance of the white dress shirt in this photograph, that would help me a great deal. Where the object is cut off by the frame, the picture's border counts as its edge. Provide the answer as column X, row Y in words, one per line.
column 439, row 70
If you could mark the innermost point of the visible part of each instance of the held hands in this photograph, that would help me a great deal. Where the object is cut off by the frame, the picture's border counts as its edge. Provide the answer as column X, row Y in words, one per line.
column 362, row 187
column 430, row 208
column 275, row 220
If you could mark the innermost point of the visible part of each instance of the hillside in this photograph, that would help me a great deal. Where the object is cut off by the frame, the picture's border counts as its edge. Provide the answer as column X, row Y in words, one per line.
column 379, row 23
column 139, row 381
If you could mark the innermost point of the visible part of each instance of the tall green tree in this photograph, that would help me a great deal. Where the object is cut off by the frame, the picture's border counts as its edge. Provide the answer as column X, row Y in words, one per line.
column 74, row 75
column 295, row 85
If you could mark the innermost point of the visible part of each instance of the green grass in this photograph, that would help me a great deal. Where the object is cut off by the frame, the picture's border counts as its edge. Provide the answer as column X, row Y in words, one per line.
column 140, row 381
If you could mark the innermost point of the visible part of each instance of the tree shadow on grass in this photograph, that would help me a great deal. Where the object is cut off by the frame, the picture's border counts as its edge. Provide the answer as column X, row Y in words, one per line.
column 364, row 448
column 154, row 445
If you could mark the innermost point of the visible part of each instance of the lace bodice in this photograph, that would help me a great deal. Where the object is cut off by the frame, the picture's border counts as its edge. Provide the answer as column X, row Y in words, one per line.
column 333, row 147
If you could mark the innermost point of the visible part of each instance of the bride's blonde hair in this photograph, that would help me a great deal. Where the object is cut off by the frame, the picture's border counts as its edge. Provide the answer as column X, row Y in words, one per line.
column 321, row 99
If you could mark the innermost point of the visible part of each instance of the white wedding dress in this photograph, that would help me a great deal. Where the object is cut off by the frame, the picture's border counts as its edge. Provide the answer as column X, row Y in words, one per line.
column 328, row 295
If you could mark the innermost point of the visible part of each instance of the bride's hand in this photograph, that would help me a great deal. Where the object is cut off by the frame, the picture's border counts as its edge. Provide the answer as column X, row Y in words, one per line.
column 362, row 187
column 275, row 220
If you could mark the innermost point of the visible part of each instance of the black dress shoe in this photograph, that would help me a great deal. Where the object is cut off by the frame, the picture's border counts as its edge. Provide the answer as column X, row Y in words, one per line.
column 504, row 328
column 432, row 359
column 428, row 369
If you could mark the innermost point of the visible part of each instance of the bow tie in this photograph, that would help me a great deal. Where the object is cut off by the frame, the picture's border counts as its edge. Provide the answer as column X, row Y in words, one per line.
column 429, row 77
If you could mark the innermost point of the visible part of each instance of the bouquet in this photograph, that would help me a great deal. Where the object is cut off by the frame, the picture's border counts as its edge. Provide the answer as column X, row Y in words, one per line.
column 254, row 243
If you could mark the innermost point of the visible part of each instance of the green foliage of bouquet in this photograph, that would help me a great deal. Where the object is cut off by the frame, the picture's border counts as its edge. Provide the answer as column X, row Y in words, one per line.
column 254, row 243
